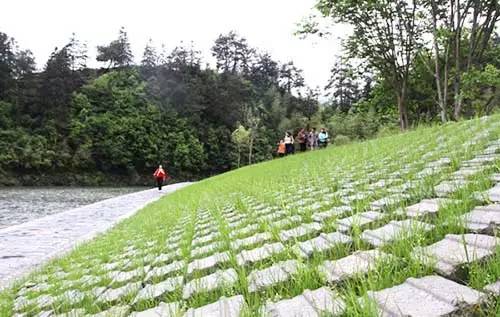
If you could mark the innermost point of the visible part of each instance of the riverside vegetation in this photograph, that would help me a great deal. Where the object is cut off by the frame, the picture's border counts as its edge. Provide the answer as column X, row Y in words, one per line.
column 254, row 239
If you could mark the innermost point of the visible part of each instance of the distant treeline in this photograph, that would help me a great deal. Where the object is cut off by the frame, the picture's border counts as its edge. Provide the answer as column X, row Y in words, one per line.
column 72, row 124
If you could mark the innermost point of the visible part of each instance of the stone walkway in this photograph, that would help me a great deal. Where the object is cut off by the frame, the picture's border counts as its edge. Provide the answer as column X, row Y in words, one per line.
column 26, row 246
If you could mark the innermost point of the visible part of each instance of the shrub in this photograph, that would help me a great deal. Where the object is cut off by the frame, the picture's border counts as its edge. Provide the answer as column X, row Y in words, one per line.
column 341, row 139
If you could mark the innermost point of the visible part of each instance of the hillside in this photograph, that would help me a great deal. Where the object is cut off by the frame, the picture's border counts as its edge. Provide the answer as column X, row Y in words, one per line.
column 401, row 225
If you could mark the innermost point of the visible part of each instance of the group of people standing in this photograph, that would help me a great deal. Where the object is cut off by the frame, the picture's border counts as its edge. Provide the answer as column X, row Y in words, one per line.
column 307, row 140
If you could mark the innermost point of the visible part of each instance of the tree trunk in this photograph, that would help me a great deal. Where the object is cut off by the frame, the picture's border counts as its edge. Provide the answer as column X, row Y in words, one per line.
column 250, row 148
column 446, row 74
column 437, row 74
column 458, row 99
column 403, row 113
column 239, row 156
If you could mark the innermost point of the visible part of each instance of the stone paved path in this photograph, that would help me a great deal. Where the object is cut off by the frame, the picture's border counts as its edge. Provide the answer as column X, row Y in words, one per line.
column 26, row 246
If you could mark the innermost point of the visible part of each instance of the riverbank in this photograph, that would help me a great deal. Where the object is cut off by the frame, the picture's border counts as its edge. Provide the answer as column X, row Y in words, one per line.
column 77, row 178
column 27, row 246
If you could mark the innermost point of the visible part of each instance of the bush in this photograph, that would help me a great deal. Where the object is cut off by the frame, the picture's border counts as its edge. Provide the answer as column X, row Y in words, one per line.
column 341, row 139
column 355, row 126
column 387, row 130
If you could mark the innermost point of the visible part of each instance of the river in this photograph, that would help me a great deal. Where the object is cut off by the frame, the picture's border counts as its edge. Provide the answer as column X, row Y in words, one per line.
column 22, row 204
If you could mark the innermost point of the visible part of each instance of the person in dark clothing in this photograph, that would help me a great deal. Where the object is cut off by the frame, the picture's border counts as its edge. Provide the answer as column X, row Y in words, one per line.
column 302, row 140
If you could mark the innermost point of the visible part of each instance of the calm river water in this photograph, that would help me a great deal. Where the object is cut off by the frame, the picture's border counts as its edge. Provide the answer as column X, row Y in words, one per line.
column 21, row 204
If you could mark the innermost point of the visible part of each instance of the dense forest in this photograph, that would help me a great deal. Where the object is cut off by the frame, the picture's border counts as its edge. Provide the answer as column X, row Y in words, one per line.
column 405, row 63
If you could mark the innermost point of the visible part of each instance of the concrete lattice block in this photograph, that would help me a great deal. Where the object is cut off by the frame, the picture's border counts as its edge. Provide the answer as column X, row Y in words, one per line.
column 162, row 310
column 115, row 294
column 209, row 248
column 286, row 221
column 467, row 172
column 277, row 273
column 205, row 239
column 317, row 303
column 258, row 254
column 360, row 262
column 244, row 231
column 427, row 296
column 158, row 272
column 493, row 288
column 152, row 291
column 224, row 307
column 427, row 207
column 208, row 262
column 166, row 257
column 120, row 277
column 483, row 219
column 257, row 238
column 494, row 194
column 71, row 297
column 333, row 212
column 78, row 312
column 361, row 219
column 454, row 251
column 448, row 187
column 495, row 178
column 300, row 231
column 115, row 311
column 210, row 282
column 388, row 201
column 322, row 243
column 394, row 230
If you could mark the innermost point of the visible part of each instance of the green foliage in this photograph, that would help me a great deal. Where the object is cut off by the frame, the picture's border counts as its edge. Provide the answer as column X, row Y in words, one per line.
column 241, row 137
column 115, row 125
column 341, row 140
column 123, row 120
column 6, row 114
column 482, row 89
column 118, row 53
column 361, row 125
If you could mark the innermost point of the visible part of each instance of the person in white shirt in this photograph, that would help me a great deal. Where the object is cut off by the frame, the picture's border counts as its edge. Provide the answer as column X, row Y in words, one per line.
column 289, row 143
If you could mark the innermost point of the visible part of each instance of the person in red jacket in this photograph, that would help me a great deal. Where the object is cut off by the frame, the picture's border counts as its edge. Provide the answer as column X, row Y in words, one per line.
column 160, row 176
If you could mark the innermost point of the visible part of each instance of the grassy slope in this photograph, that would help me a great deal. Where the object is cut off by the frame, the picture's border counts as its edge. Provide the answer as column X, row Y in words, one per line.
column 282, row 183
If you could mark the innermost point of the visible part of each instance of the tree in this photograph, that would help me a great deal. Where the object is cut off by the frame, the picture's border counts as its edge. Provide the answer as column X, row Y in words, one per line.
column 149, row 57
column 290, row 77
column 78, row 53
column 150, row 60
column 58, row 83
column 7, row 66
column 386, row 35
column 482, row 88
column 184, row 58
column 343, row 85
column 118, row 53
column 113, row 123
column 25, row 63
column 240, row 137
column 233, row 54
column 264, row 71
column 441, row 80
column 253, row 121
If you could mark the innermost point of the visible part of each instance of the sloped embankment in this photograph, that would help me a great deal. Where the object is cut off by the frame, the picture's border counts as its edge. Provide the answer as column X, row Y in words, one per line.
column 404, row 225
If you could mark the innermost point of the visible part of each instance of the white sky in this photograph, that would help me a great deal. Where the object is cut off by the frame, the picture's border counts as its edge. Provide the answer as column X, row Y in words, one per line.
column 267, row 25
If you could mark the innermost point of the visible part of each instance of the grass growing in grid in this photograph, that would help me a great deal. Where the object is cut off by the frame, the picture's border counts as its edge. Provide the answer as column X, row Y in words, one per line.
column 275, row 197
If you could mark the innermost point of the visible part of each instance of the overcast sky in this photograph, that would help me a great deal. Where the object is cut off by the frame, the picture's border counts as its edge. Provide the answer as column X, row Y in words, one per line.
column 267, row 25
